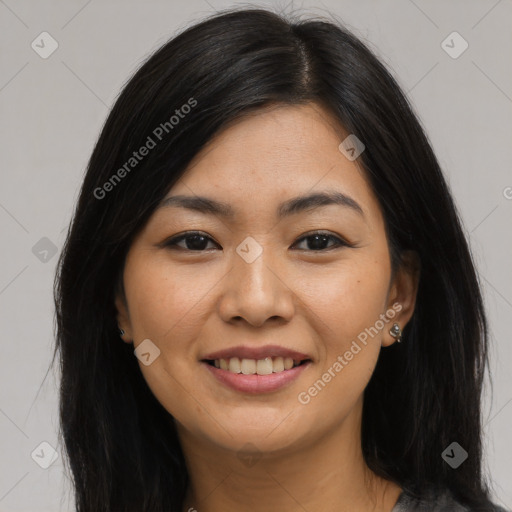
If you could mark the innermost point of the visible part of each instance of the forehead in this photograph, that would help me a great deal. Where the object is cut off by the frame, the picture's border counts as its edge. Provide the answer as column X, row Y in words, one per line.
column 274, row 153
column 293, row 138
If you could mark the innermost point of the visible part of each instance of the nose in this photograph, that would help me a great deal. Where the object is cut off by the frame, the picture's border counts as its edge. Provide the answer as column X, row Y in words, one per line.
column 256, row 292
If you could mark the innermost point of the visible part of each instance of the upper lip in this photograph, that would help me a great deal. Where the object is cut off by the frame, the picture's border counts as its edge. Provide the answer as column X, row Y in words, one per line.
column 244, row 352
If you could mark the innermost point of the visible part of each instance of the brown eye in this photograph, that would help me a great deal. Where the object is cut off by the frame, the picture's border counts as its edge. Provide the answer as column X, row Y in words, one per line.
column 198, row 242
column 193, row 241
column 319, row 241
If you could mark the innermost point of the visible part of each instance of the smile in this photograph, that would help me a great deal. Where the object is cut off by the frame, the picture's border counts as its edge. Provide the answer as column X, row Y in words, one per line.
column 252, row 369
column 256, row 366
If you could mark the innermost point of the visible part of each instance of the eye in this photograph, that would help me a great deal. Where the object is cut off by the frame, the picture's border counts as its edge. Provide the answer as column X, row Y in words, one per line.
column 198, row 242
column 194, row 241
column 318, row 241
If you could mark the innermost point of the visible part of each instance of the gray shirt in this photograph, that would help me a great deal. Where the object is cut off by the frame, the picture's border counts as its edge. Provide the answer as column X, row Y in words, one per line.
column 440, row 503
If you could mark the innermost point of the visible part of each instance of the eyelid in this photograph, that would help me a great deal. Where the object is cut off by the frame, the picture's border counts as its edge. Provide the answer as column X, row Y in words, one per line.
column 340, row 240
column 174, row 239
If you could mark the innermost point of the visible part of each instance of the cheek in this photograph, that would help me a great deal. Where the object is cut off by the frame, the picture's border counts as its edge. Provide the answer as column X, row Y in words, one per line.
column 165, row 299
column 166, row 305
column 349, row 298
column 349, row 304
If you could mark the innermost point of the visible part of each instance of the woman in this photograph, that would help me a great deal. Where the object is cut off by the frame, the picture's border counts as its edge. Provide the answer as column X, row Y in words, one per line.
column 266, row 300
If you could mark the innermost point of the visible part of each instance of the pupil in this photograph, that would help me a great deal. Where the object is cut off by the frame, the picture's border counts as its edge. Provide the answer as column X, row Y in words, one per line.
column 197, row 242
column 317, row 244
column 196, row 246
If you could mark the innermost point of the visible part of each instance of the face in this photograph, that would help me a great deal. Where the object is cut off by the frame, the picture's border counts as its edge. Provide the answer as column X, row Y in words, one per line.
column 266, row 279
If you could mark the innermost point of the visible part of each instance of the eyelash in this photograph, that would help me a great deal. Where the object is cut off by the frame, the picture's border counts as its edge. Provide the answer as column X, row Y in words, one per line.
column 172, row 242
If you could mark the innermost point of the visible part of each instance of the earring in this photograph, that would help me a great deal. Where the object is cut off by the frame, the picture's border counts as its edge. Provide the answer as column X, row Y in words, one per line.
column 396, row 332
column 121, row 332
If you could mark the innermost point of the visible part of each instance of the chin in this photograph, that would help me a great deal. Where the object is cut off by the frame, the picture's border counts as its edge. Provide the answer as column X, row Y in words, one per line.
column 261, row 436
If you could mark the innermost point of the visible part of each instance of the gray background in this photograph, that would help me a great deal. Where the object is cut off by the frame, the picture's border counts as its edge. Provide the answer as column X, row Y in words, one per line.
column 52, row 111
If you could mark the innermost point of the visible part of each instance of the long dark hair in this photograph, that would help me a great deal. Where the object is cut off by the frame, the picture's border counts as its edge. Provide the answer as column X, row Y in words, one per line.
column 425, row 393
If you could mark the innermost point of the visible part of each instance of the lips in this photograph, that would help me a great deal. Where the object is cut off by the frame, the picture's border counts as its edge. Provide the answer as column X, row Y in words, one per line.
column 244, row 352
column 256, row 384
column 256, row 370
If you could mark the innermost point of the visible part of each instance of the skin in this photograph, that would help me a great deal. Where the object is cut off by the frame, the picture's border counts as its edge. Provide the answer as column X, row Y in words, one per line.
column 189, row 303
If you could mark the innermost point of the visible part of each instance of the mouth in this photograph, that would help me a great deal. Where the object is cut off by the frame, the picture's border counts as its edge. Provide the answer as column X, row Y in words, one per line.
column 264, row 366
column 251, row 360
column 256, row 370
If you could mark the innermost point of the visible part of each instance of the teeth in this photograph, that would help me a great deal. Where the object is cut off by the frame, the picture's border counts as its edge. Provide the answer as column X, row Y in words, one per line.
column 264, row 366
column 234, row 365
column 248, row 366
column 252, row 366
column 278, row 364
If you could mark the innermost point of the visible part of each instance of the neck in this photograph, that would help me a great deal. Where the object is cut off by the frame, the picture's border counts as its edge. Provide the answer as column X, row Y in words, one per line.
column 329, row 474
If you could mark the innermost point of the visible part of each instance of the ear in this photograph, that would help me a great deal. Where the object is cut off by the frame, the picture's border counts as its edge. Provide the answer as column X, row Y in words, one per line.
column 402, row 294
column 123, row 316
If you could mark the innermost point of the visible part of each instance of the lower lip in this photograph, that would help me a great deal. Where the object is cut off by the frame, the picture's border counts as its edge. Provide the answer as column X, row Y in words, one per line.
column 255, row 384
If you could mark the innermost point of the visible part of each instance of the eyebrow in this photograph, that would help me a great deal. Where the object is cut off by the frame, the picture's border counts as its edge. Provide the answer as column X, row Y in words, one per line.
column 290, row 207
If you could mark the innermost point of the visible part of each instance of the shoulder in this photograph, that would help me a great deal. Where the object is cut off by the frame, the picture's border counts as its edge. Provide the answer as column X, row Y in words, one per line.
column 435, row 502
